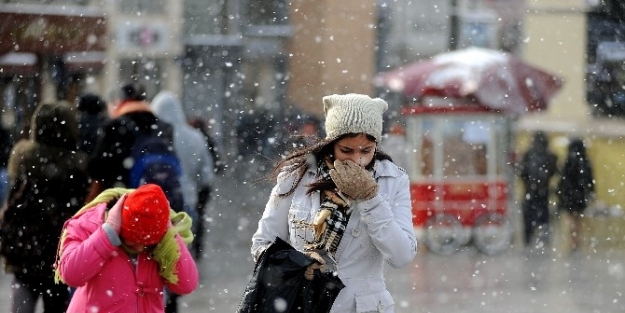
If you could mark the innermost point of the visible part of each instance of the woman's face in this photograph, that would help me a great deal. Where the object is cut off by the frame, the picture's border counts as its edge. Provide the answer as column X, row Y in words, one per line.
column 359, row 149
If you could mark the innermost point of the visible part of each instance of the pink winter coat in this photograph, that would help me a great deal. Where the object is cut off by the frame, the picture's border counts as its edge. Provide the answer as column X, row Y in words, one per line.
column 105, row 277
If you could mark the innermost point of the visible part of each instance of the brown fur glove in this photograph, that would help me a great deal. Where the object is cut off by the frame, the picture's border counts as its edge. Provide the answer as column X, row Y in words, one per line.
column 354, row 180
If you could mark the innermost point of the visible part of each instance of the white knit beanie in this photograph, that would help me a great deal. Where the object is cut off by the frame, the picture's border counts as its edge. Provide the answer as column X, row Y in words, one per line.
column 353, row 113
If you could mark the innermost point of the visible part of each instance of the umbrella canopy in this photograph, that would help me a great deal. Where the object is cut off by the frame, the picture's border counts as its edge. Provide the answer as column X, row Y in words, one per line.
column 496, row 80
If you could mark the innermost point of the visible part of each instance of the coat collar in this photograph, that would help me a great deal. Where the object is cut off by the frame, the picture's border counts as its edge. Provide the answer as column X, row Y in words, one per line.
column 131, row 106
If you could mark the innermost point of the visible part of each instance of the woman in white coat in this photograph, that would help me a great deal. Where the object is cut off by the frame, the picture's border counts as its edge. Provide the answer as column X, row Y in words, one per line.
column 345, row 204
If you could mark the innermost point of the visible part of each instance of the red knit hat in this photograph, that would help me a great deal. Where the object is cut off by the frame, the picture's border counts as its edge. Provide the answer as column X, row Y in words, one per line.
column 145, row 215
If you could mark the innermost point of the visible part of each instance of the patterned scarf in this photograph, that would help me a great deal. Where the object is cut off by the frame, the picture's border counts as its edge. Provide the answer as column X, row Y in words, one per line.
column 332, row 216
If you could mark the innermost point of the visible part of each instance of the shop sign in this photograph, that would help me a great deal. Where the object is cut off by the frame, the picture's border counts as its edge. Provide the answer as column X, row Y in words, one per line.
column 51, row 34
column 148, row 37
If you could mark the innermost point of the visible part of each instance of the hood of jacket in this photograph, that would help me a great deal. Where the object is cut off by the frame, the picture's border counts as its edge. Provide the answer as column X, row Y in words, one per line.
column 168, row 108
column 54, row 125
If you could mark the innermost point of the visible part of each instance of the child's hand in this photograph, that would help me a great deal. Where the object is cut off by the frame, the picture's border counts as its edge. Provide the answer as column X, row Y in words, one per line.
column 114, row 217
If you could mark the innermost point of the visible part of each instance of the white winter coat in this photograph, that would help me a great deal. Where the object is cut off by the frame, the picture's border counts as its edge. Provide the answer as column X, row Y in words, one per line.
column 379, row 230
column 189, row 145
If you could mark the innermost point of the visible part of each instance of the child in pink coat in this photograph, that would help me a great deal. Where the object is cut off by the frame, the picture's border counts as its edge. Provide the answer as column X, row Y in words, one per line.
column 121, row 258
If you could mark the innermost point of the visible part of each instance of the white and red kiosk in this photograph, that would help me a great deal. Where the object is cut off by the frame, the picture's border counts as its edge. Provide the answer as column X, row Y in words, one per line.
column 459, row 176
column 459, row 141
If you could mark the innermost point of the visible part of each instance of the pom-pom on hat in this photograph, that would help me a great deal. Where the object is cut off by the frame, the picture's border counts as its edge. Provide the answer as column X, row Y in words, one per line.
column 145, row 215
column 353, row 113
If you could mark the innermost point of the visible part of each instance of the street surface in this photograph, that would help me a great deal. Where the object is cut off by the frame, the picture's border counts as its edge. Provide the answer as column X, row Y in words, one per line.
column 518, row 281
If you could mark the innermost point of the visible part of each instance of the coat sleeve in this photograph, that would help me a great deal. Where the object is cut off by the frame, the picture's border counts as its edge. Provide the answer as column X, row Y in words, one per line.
column 275, row 219
column 16, row 163
column 207, row 174
column 84, row 255
column 589, row 177
column 112, row 148
column 188, row 276
column 389, row 224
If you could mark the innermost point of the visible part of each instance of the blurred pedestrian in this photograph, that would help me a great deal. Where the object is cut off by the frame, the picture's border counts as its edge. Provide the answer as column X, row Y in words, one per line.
column 6, row 144
column 48, row 183
column 254, row 130
column 394, row 143
column 197, row 164
column 92, row 116
column 122, row 249
column 190, row 148
column 538, row 166
column 136, row 147
column 344, row 204
column 576, row 188
column 307, row 133
column 200, row 124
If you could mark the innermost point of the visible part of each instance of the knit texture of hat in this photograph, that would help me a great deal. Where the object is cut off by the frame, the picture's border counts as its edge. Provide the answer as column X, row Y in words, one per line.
column 353, row 113
column 145, row 215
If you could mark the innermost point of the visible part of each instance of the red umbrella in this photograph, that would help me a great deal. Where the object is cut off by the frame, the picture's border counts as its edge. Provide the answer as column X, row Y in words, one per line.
column 496, row 80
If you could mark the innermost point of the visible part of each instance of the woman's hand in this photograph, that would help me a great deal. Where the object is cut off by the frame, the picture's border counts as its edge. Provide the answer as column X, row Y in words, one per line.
column 319, row 264
column 354, row 180
column 114, row 216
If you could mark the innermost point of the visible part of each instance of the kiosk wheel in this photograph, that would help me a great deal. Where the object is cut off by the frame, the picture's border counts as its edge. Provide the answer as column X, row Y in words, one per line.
column 492, row 233
column 442, row 234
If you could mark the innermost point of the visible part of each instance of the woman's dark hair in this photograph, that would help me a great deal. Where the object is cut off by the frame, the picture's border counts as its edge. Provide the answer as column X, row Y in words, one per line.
column 577, row 148
column 133, row 91
column 300, row 160
column 91, row 103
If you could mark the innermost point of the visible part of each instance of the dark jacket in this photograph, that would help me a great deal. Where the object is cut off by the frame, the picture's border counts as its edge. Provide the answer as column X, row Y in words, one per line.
column 109, row 162
column 48, row 182
column 92, row 116
column 576, row 182
column 5, row 146
column 538, row 166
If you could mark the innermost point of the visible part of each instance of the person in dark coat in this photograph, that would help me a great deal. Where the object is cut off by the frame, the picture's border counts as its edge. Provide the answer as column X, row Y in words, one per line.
column 93, row 115
column 48, row 184
column 538, row 167
column 108, row 164
column 576, row 187
column 6, row 143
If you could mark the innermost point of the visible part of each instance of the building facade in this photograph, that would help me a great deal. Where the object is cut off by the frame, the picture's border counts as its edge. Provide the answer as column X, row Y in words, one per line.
column 233, row 62
column 47, row 52
column 57, row 50
column 566, row 38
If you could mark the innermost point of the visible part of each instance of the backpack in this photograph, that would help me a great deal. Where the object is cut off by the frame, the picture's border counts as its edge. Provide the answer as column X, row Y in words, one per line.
column 155, row 162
